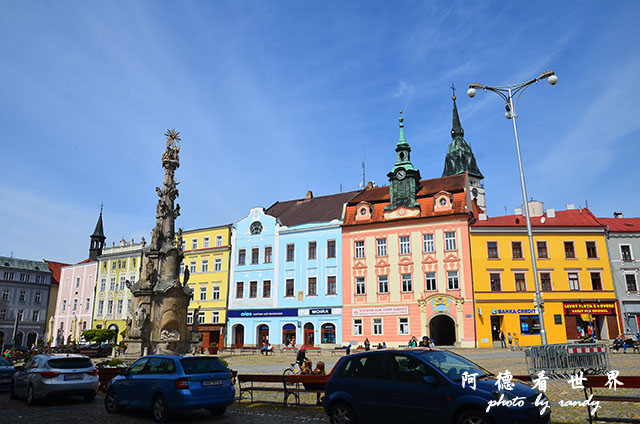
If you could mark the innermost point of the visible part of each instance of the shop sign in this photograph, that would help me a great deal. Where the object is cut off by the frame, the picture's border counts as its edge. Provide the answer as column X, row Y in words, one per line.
column 260, row 313
column 386, row 310
column 514, row 311
column 320, row 311
column 593, row 308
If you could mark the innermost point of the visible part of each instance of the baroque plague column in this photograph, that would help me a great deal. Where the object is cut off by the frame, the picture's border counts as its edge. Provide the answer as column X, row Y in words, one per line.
column 159, row 307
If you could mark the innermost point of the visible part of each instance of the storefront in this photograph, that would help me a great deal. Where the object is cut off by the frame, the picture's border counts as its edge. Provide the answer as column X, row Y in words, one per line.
column 584, row 319
column 521, row 320
column 212, row 334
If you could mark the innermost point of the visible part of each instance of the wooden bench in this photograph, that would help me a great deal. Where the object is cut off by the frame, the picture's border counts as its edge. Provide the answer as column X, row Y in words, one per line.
column 338, row 349
column 249, row 349
column 600, row 381
column 296, row 384
column 265, row 383
column 287, row 384
column 285, row 349
column 314, row 349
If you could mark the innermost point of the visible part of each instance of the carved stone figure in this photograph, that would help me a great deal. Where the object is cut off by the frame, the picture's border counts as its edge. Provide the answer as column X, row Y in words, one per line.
column 141, row 316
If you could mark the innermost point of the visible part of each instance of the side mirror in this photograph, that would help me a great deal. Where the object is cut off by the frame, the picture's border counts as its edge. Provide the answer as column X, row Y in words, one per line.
column 429, row 379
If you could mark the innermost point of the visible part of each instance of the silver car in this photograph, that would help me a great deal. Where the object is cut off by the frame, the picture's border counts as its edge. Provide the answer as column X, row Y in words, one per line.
column 55, row 375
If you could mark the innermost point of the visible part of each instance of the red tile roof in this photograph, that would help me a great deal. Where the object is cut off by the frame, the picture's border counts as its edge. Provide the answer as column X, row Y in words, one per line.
column 315, row 209
column 621, row 225
column 56, row 269
column 568, row 218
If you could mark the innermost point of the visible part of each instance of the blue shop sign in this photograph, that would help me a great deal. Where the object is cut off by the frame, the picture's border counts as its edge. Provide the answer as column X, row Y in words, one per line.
column 320, row 311
column 513, row 311
column 260, row 313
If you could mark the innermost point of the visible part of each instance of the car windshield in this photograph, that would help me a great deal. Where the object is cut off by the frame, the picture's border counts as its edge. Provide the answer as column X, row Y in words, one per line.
column 202, row 365
column 69, row 363
column 453, row 365
column 4, row 363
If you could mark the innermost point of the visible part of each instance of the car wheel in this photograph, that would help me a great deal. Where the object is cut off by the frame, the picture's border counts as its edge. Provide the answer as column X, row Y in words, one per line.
column 160, row 411
column 13, row 395
column 216, row 412
column 30, row 397
column 111, row 402
column 89, row 397
column 474, row 417
column 341, row 413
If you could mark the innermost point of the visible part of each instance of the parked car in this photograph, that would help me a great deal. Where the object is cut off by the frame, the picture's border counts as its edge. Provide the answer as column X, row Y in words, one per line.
column 423, row 385
column 6, row 373
column 55, row 375
column 166, row 384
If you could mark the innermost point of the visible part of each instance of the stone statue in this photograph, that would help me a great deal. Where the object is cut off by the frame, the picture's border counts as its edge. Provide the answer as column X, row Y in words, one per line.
column 60, row 337
column 129, row 323
column 141, row 316
column 196, row 322
column 187, row 274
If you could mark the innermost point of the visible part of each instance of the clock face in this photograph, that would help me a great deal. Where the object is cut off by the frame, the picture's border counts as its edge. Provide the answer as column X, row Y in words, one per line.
column 400, row 174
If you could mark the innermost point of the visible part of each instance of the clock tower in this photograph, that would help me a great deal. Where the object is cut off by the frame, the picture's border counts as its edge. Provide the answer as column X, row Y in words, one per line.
column 403, row 178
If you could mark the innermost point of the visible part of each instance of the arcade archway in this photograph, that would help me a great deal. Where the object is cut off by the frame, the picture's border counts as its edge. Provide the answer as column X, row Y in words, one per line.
column 442, row 330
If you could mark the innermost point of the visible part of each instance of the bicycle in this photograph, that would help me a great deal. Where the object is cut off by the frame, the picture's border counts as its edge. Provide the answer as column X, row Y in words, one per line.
column 294, row 369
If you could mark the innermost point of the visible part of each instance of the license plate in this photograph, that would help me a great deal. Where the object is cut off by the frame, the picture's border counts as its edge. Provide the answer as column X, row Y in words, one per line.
column 73, row 376
column 212, row 383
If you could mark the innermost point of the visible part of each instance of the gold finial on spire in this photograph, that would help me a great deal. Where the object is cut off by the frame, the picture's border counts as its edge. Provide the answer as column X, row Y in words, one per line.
column 453, row 88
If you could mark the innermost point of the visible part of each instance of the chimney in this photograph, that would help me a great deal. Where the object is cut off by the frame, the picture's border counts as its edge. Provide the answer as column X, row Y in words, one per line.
column 618, row 215
column 482, row 217
column 551, row 213
column 371, row 184
column 309, row 195
column 570, row 206
column 518, row 211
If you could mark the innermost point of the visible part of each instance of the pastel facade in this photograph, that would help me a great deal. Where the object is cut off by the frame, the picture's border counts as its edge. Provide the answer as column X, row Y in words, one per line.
column 207, row 252
column 74, row 305
column 573, row 271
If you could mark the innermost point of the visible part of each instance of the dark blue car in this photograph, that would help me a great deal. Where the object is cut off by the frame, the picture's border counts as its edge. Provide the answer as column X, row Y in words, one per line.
column 167, row 384
column 6, row 373
column 425, row 386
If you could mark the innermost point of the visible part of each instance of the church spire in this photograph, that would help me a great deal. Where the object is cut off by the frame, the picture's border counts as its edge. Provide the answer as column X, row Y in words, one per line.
column 460, row 157
column 456, row 128
column 403, row 178
column 97, row 239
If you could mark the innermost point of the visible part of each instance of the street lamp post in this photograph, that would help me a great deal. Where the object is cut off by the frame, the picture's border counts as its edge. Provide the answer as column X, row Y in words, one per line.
column 510, row 94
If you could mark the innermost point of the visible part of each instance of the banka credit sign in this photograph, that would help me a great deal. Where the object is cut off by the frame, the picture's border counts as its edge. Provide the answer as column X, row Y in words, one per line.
column 262, row 313
column 514, row 311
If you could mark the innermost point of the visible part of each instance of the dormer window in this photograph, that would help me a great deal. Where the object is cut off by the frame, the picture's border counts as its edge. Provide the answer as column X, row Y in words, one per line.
column 443, row 201
column 363, row 211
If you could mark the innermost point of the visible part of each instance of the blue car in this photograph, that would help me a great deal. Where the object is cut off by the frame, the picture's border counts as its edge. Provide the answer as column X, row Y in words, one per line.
column 426, row 386
column 167, row 384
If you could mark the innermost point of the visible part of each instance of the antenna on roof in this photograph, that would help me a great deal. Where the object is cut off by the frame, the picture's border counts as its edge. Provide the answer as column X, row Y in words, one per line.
column 340, row 187
column 586, row 204
column 505, row 209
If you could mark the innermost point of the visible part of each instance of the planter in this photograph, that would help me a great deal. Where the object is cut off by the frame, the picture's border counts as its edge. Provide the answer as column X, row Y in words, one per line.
column 213, row 350
column 105, row 375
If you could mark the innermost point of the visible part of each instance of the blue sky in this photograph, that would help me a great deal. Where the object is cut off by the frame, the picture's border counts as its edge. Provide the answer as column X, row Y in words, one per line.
column 276, row 98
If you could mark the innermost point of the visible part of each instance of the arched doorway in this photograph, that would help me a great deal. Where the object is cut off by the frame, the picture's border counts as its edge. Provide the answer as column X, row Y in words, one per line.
column 442, row 329
column 263, row 334
column 328, row 333
column 18, row 339
column 309, row 333
column 288, row 334
column 238, row 336
column 31, row 339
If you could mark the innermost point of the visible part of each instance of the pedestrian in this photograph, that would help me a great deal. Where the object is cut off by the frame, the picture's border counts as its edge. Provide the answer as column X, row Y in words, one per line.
column 384, row 345
column 301, row 356
column 510, row 339
column 432, row 343
column 516, row 342
column 424, row 342
column 348, row 349
column 367, row 344
column 503, row 343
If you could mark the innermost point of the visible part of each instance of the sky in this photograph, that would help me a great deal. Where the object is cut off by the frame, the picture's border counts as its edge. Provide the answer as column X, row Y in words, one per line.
column 275, row 98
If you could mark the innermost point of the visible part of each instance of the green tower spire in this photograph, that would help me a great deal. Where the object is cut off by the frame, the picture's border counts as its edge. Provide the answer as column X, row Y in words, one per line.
column 460, row 157
column 404, row 179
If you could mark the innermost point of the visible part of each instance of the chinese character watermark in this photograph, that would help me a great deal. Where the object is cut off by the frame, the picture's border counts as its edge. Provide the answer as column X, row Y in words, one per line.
column 469, row 379
column 612, row 379
column 576, row 380
column 504, row 381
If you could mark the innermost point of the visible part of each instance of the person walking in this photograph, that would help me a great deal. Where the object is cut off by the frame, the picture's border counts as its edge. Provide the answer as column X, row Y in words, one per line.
column 503, row 343
column 516, row 342
column 510, row 339
column 367, row 344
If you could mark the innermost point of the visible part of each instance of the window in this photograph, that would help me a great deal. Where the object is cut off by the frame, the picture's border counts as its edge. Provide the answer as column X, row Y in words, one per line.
column 112, row 283
column 190, row 318
column 114, row 264
column 359, row 249
column 110, row 307
column 239, row 289
column 242, row 254
column 192, row 267
column 494, row 280
column 184, row 245
column 592, row 252
column 204, row 265
column 377, row 326
column 133, row 263
column 253, row 289
column 194, row 244
column 35, row 317
column 23, row 295
column 37, row 298
column 331, row 285
column 77, row 282
column 331, row 248
column 516, row 250
column 5, row 294
column 569, row 250
column 205, row 242
column 8, row 275
column 328, row 333
column 41, row 279
column 129, row 304
column 357, row 327
column 529, row 324
column 64, row 304
column 407, row 285
column 201, row 317
column 87, row 304
column 381, row 247
column 312, row 250
column 574, row 283
column 291, row 252
column 545, row 281
column 20, row 315
column 312, row 286
column 119, row 307
column 450, row 240
column 255, row 255
column 100, row 307
column 267, row 254
column 427, row 243
column 104, row 266
column 383, row 284
column 452, row 280
column 132, row 279
column 430, row 281
column 219, row 240
column 266, row 288
column 75, row 305
column 521, row 284
column 360, row 285
column 596, row 282
column 492, row 249
column 289, row 287
column 217, row 264
column 625, row 249
column 123, row 282
column 24, row 277
column 403, row 325
column 255, row 228
column 631, row 282
column 215, row 317
column 203, row 293
column 103, row 284
column 3, row 314
column 405, row 245
column 542, row 250
column 215, row 292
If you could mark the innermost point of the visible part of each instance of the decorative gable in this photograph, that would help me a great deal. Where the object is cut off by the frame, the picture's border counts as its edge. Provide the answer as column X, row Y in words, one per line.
column 442, row 201
column 364, row 211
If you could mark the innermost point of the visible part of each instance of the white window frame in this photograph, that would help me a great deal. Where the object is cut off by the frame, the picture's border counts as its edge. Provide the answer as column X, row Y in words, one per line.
column 428, row 243
column 215, row 317
column 622, row 253
column 205, row 242
column 202, row 317
column 357, row 327
column 190, row 318
column 35, row 316
column 37, row 298
column 453, row 277
column 215, row 292
column 381, row 247
column 577, row 274
column 377, row 326
column 361, row 286
column 405, row 245
column 110, row 306
column 358, row 249
column 219, row 240
column 383, row 280
column 403, row 325
column 406, row 283
column 430, row 277
column 192, row 267
column 100, row 307
column 203, row 293
column 450, row 241
column 194, row 243
column 217, row 264
column 119, row 306
column 204, row 265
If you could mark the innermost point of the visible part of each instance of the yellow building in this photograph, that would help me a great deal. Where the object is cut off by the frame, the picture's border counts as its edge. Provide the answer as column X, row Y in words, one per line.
column 206, row 255
column 117, row 264
column 574, row 276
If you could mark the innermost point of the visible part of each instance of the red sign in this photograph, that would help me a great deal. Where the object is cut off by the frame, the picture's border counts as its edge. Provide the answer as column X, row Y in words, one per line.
column 593, row 308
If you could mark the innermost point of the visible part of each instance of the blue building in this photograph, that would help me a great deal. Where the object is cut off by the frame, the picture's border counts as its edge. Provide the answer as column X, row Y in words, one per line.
column 285, row 284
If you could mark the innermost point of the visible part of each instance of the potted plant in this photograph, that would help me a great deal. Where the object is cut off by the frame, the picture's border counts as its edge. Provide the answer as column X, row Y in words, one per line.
column 213, row 348
column 108, row 370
